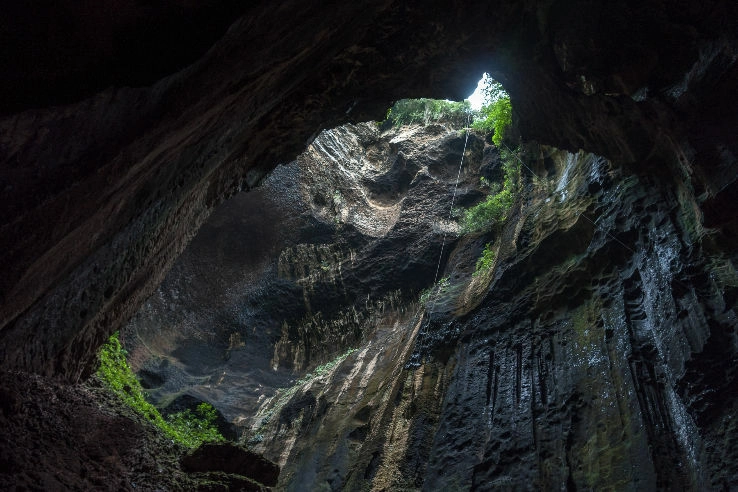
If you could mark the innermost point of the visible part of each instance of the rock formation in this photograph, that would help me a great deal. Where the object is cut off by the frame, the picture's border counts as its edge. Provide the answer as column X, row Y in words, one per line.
column 571, row 363
column 599, row 353
column 365, row 223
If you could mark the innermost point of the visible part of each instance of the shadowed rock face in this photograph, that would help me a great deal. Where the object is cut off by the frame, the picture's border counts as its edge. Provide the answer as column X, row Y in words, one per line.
column 598, row 352
column 580, row 360
column 228, row 458
column 61, row 52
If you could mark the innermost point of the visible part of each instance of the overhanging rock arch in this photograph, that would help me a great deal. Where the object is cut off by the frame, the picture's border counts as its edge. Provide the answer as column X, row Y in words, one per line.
column 102, row 194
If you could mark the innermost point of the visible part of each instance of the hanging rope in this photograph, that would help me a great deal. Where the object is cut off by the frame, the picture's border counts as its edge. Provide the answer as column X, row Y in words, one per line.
column 536, row 179
column 450, row 213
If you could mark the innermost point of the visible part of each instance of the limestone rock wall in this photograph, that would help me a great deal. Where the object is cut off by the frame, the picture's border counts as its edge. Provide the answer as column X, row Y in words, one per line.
column 102, row 188
column 576, row 364
column 573, row 370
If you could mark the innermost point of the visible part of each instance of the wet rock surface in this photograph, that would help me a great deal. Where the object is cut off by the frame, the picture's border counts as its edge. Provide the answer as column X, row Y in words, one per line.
column 572, row 365
column 597, row 352
column 572, row 370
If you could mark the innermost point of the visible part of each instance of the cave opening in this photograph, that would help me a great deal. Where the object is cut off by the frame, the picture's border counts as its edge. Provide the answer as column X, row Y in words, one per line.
column 304, row 307
column 587, row 341
column 250, row 308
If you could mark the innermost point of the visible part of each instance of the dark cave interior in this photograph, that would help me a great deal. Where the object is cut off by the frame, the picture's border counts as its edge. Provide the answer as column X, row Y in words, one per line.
column 123, row 125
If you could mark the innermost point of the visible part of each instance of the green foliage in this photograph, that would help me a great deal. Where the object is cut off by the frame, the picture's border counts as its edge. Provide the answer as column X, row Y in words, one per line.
column 492, row 90
column 424, row 111
column 437, row 289
column 492, row 212
column 487, row 214
column 510, row 169
column 495, row 117
column 323, row 369
column 198, row 427
column 284, row 395
column 484, row 263
column 118, row 377
column 187, row 428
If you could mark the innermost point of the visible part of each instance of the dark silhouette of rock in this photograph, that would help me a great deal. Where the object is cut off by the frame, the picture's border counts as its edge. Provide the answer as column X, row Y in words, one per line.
column 231, row 459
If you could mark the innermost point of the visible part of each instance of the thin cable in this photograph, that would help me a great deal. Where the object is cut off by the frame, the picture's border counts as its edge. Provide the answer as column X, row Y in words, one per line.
column 450, row 213
column 581, row 213
column 533, row 174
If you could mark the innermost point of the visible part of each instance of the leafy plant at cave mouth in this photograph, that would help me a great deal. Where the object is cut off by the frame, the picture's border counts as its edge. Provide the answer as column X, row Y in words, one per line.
column 484, row 263
column 425, row 111
column 198, row 426
column 496, row 115
column 492, row 212
column 496, row 119
column 188, row 428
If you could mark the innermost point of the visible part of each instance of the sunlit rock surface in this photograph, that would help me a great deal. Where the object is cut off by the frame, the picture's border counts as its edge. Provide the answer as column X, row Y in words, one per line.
column 272, row 287
column 576, row 369
column 577, row 361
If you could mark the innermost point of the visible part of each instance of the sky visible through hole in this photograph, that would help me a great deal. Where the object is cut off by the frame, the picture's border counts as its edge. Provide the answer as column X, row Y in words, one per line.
column 476, row 99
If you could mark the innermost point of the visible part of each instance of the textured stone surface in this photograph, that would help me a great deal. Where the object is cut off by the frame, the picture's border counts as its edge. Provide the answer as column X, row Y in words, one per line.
column 287, row 277
column 598, row 353
column 577, row 362
column 78, row 437
column 231, row 459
